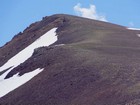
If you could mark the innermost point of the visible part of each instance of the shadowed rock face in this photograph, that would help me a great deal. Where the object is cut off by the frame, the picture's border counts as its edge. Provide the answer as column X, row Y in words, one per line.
column 99, row 64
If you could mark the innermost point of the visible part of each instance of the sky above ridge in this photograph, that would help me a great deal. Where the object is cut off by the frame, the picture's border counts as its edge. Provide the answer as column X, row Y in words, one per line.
column 16, row 15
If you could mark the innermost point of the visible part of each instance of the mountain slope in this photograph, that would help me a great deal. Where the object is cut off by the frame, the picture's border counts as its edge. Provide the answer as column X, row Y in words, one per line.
column 91, row 63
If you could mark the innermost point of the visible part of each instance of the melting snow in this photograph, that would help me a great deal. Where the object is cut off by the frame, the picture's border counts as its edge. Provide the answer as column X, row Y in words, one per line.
column 45, row 40
column 14, row 82
column 133, row 28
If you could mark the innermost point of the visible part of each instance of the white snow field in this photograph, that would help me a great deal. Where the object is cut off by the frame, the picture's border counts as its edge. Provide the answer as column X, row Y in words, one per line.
column 133, row 28
column 45, row 40
column 14, row 82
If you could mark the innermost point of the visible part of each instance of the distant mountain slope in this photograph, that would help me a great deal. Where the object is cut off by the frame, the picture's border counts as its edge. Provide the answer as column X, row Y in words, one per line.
column 91, row 63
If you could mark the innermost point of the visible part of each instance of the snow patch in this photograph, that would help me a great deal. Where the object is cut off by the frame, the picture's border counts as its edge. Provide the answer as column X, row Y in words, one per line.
column 60, row 45
column 138, row 35
column 14, row 82
column 45, row 40
column 133, row 28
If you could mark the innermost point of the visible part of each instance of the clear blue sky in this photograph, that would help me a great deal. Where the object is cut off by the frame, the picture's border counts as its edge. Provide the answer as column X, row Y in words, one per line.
column 16, row 15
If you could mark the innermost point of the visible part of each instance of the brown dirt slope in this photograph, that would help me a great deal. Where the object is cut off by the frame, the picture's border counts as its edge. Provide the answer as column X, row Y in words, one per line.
column 99, row 64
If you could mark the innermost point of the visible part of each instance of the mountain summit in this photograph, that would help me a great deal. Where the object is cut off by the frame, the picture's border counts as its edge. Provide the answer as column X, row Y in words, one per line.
column 69, row 60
